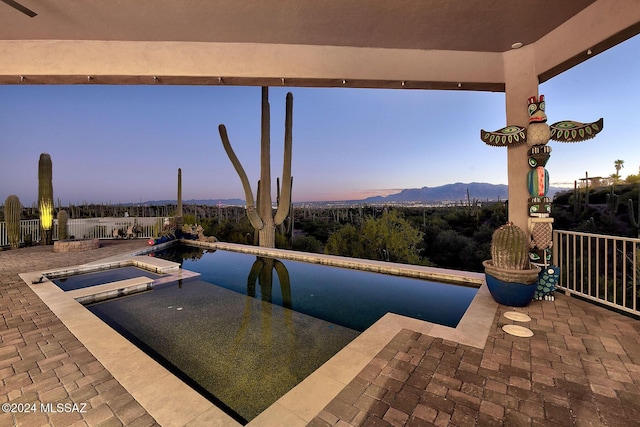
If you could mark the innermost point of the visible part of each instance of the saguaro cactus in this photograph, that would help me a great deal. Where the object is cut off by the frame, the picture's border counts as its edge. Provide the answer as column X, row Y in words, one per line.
column 45, row 196
column 179, row 218
column 586, row 192
column 263, row 219
column 577, row 198
column 63, row 217
column 12, row 214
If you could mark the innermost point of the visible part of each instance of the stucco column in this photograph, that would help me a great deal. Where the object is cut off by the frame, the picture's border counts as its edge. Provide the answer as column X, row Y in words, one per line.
column 521, row 82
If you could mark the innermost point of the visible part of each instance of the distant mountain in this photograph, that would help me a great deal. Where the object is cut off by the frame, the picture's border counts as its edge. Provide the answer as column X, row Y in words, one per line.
column 452, row 193
column 448, row 192
column 210, row 202
column 445, row 193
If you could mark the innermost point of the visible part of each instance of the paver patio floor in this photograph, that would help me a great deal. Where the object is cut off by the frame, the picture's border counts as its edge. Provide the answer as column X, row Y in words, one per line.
column 581, row 367
column 42, row 362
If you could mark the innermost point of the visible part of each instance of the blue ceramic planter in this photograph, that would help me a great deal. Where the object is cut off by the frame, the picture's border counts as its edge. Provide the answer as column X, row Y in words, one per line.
column 512, row 293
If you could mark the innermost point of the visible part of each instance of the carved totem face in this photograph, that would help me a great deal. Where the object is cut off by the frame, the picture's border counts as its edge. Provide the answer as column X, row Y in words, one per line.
column 540, row 256
column 539, row 206
column 536, row 110
column 539, row 155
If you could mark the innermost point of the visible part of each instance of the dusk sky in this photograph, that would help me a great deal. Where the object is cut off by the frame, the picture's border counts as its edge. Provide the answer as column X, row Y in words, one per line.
column 113, row 144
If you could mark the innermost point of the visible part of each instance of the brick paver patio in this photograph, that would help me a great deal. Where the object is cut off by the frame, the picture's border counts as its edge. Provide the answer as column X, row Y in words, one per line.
column 581, row 367
column 42, row 362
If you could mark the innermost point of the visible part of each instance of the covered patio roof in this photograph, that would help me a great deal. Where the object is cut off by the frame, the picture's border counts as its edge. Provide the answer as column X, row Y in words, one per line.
column 498, row 45
column 425, row 44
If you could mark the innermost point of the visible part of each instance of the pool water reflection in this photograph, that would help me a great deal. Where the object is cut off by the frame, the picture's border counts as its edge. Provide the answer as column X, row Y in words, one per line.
column 351, row 298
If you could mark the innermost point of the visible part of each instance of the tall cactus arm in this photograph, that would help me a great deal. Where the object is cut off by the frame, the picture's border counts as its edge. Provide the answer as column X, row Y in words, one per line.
column 285, row 198
column 264, row 197
column 254, row 218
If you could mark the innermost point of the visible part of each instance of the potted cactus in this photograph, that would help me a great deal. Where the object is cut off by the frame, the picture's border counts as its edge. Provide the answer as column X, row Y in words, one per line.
column 510, row 277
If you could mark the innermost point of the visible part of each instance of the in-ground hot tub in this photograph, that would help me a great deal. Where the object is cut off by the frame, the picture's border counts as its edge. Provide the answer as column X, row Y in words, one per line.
column 97, row 282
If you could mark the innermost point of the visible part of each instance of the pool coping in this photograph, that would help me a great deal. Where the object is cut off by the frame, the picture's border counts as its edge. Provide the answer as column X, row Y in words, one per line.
column 385, row 267
column 97, row 293
column 146, row 380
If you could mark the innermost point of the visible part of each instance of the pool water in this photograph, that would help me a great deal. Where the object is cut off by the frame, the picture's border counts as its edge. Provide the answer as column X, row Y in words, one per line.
column 249, row 329
column 351, row 298
column 240, row 352
column 85, row 280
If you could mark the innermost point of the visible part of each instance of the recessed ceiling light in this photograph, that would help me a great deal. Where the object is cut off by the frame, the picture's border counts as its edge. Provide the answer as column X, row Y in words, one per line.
column 516, row 45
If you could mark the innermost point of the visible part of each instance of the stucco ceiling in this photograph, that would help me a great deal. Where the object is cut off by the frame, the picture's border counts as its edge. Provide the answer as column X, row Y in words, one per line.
column 467, row 25
column 361, row 43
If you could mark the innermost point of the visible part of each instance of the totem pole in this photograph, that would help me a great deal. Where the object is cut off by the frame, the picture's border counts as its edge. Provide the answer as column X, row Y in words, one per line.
column 537, row 135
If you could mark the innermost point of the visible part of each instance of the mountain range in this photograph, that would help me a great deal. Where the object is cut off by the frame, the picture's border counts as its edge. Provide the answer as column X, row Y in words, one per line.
column 445, row 193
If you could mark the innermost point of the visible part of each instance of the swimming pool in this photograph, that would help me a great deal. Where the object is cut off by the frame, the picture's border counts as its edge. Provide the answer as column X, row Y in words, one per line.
column 351, row 298
column 265, row 324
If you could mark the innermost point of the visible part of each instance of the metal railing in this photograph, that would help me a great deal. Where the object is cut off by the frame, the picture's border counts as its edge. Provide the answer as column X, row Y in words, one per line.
column 92, row 228
column 601, row 268
column 28, row 228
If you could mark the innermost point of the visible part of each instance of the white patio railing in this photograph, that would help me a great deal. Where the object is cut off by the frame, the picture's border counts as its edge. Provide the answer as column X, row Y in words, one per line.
column 602, row 268
column 91, row 228
column 30, row 227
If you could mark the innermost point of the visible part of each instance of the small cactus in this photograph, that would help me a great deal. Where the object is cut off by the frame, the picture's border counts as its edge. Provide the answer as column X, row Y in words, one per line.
column 510, row 247
column 12, row 214
column 63, row 217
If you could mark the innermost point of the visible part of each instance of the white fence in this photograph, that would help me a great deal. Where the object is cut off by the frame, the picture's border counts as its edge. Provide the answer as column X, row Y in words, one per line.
column 92, row 228
column 601, row 268
column 30, row 227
